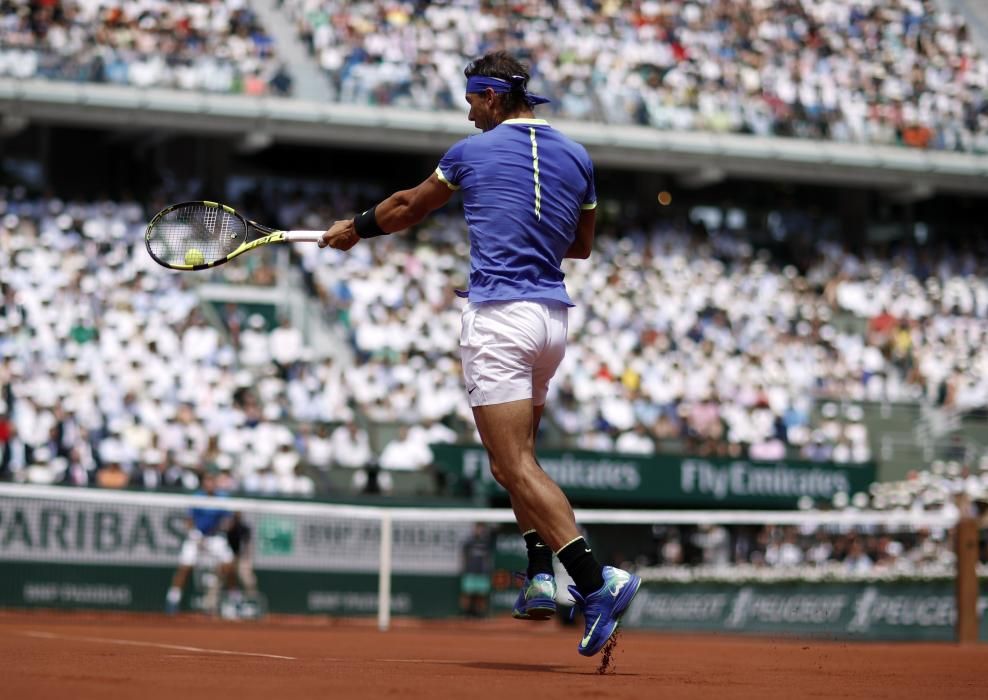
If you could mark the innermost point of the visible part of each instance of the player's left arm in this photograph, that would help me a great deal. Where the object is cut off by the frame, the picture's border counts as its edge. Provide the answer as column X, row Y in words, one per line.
column 582, row 245
column 396, row 213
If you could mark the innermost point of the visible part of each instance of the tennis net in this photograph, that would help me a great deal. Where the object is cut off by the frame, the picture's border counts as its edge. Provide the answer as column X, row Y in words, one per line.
column 97, row 549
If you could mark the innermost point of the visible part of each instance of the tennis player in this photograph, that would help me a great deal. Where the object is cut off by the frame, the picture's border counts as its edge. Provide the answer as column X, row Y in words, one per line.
column 529, row 199
column 206, row 536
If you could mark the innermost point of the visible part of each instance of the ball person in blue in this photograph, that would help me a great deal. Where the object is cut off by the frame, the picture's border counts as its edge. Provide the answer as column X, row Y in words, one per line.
column 529, row 199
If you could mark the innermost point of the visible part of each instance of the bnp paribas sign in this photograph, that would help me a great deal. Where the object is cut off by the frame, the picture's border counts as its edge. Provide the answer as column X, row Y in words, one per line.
column 123, row 534
column 665, row 480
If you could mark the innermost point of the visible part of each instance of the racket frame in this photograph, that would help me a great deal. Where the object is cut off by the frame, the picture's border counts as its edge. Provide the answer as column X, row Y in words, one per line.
column 268, row 235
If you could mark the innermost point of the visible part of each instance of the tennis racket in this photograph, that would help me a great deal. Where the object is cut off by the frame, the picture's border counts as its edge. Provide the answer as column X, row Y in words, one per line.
column 200, row 235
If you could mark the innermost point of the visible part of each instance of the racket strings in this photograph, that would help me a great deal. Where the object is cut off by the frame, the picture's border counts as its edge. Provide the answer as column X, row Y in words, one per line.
column 195, row 234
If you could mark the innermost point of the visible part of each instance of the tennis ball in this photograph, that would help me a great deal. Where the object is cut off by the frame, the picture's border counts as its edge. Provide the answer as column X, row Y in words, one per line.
column 194, row 256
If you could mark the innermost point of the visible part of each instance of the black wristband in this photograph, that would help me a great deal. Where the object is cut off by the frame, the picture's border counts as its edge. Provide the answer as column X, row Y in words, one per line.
column 366, row 224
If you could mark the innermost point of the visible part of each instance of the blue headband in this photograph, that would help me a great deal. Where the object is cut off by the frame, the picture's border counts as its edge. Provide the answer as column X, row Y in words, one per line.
column 479, row 83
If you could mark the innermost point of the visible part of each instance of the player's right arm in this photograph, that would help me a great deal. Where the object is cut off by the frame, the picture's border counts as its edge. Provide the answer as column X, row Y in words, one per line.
column 409, row 207
column 583, row 243
column 405, row 208
column 396, row 213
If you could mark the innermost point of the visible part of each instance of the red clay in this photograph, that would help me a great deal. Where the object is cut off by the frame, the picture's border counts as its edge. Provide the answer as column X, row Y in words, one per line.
column 59, row 655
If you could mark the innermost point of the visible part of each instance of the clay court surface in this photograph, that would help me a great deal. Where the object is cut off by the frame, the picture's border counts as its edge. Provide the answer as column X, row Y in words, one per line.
column 63, row 655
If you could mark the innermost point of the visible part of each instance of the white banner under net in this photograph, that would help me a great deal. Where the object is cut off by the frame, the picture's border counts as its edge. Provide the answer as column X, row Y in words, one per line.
column 303, row 549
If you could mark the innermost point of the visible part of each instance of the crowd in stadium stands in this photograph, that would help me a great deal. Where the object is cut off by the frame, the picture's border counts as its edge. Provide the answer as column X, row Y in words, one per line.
column 666, row 326
column 773, row 550
column 212, row 46
column 687, row 342
column 875, row 71
column 947, row 488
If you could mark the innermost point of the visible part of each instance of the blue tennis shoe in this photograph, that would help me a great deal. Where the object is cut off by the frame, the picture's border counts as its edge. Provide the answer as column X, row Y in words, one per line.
column 602, row 610
column 536, row 599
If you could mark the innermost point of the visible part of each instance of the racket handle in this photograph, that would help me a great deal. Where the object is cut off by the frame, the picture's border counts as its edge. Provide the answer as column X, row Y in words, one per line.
column 303, row 236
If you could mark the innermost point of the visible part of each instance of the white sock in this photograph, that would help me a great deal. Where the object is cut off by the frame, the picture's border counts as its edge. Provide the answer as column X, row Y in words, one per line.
column 174, row 595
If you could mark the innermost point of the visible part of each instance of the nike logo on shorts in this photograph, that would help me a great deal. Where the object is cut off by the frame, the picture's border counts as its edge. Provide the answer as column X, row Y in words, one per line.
column 470, row 391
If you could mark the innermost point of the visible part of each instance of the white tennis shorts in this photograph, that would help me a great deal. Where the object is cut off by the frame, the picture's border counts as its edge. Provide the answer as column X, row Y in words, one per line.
column 511, row 349
column 215, row 547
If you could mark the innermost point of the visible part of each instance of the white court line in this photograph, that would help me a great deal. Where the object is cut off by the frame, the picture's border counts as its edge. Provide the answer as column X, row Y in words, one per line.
column 157, row 645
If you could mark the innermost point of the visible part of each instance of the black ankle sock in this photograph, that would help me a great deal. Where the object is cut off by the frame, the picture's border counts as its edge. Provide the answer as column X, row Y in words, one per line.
column 580, row 563
column 539, row 555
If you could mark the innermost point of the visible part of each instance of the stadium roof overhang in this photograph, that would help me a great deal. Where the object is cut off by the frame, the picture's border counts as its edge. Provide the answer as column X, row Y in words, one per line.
column 697, row 158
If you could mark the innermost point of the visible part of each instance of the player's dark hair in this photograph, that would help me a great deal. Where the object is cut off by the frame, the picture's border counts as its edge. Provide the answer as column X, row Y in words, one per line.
column 501, row 64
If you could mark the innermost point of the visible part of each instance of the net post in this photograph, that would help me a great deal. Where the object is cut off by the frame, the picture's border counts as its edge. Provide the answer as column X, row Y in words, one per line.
column 384, row 574
column 966, row 543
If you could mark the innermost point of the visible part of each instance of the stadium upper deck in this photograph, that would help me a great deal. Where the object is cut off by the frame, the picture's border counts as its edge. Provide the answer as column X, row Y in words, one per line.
column 214, row 46
column 878, row 71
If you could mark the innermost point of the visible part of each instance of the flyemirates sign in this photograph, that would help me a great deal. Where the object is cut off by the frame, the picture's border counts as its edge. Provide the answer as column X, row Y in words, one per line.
column 739, row 479
column 664, row 480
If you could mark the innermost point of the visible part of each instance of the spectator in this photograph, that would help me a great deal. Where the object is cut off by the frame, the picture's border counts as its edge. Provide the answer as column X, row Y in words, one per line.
column 431, row 432
column 857, row 560
column 817, row 450
column 319, row 449
column 285, row 347
column 351, row 446
column 714, row 543
column 112, row 476
column 769, row 449
column 783, row 549
column 635, row 441
column 405, row 453
column 371, row 480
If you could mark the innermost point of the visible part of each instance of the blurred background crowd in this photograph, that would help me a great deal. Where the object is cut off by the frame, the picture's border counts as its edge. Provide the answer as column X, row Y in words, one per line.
column 881, row 71
column 683, row 340
column 772, row 552
column 214, row 46
column 687, row 336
